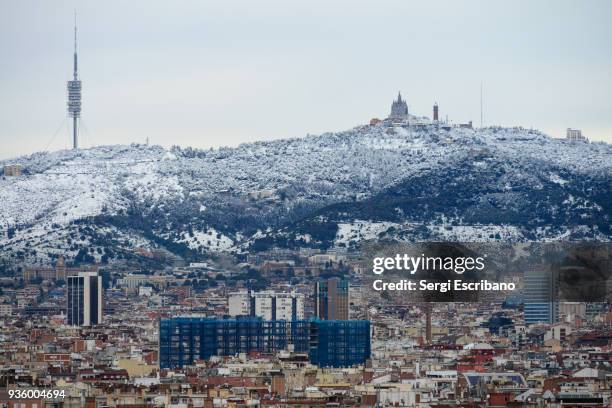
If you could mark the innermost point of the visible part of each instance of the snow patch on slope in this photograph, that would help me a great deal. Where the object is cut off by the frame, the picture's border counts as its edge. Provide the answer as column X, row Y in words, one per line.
column 360, row 230
column 210, row 239
column 476, row 233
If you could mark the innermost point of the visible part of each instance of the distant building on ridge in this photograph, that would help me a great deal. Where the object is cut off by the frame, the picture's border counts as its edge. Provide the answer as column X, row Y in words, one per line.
column 12, row 170
column 575, row 135
column 399, row 109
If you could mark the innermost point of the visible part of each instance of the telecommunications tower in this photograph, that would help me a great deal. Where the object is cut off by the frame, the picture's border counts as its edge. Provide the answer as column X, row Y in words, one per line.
column 74, row 95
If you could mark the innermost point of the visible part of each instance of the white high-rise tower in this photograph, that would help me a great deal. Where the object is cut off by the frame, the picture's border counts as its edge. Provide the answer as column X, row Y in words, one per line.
column 84, row 298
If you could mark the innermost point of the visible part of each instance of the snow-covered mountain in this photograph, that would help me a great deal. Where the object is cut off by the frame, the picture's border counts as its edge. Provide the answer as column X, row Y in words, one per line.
column 328, row 190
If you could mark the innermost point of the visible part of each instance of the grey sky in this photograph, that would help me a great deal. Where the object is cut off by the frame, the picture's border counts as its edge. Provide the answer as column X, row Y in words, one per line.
column 204, row 73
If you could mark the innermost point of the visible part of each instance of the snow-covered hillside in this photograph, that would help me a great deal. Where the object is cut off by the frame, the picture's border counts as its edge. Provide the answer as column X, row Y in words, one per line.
column 110, row 199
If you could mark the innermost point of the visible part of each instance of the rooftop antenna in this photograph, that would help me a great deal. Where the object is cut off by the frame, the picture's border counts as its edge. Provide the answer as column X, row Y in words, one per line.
column 481, row 116
column 74, row 93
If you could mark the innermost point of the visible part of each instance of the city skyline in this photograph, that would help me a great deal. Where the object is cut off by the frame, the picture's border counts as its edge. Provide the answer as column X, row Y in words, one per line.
column 305, row 204
column 209, row 75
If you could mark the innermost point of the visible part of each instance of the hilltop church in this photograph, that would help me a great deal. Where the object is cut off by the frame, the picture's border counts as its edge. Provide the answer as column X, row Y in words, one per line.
column 399, row 109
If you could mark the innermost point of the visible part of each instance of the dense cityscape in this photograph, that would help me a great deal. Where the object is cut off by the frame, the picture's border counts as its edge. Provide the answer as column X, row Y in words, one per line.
column 287, row 328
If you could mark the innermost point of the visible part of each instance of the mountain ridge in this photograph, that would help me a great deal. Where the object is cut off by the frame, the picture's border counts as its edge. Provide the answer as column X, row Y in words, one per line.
column 331, row 190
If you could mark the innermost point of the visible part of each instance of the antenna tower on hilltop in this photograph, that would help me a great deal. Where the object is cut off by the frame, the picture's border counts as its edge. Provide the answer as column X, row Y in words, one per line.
column 74, row 94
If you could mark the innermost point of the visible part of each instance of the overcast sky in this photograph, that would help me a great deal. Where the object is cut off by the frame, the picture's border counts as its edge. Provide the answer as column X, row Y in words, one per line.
column 204, row 73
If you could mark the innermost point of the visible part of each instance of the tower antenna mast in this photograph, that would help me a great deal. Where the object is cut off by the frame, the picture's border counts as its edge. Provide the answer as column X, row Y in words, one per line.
column 74, row 93
column 481, row 116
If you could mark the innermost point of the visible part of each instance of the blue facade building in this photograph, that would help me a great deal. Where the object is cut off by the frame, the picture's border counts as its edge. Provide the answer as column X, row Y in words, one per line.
column 539, row 297
column 337, row 343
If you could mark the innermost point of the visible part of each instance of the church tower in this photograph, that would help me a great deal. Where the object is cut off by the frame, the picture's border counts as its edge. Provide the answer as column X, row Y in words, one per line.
column 399, row 109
